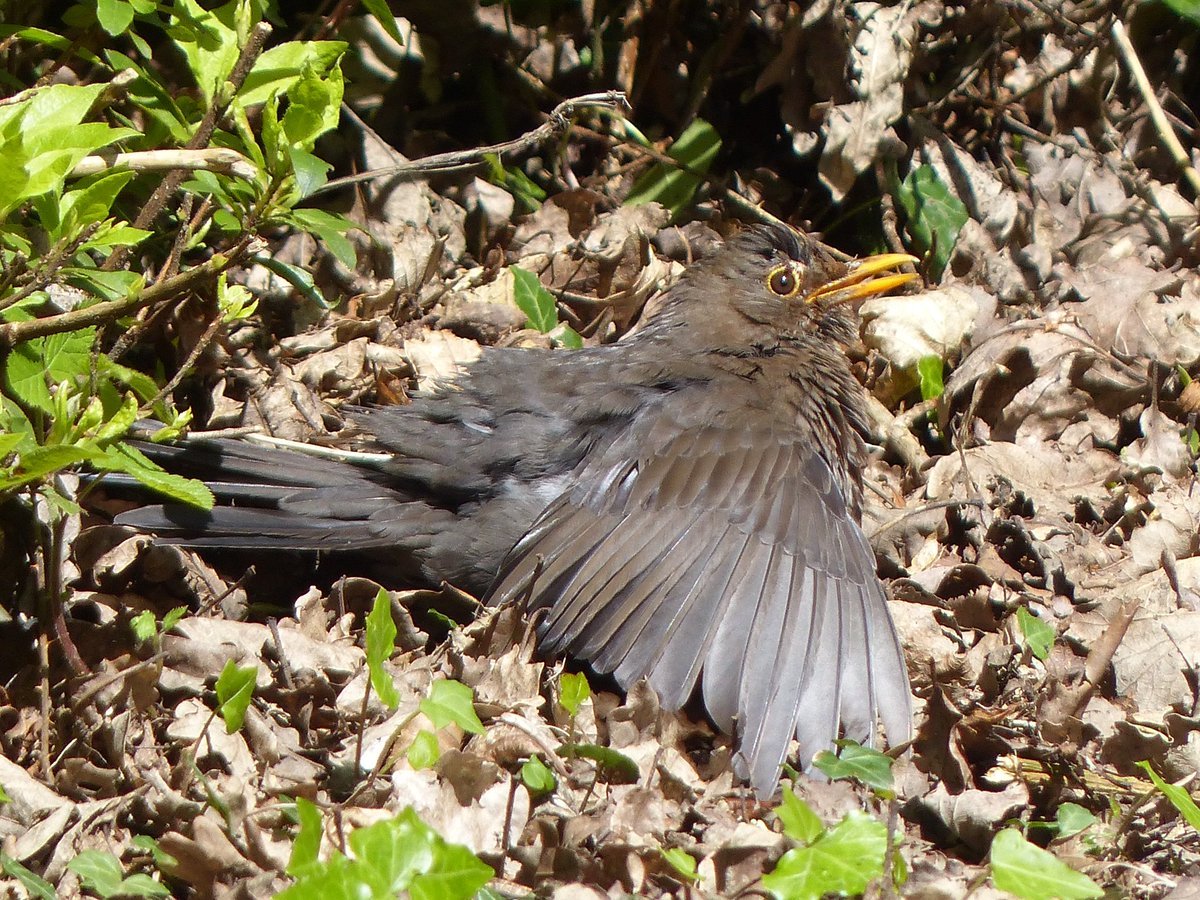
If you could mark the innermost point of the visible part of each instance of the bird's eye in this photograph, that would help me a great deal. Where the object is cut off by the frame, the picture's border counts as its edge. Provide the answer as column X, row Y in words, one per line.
column 782, row 280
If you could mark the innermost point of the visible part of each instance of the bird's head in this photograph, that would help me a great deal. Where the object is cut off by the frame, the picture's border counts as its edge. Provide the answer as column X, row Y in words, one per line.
column 776, row 280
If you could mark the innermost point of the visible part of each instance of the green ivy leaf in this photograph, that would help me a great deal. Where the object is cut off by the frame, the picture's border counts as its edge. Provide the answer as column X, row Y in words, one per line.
column 934, row 216
column 452, row 701
column 381, row 644
column 235, row 687
column 306, row 847
column 99, row 871
column 1030, row 873
column 845, row 860
column 800, row 823
column 1072, row 819
column 862, row 764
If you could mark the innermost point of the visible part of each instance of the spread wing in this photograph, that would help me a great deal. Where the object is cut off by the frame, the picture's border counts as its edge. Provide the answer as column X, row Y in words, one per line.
column 728, row 556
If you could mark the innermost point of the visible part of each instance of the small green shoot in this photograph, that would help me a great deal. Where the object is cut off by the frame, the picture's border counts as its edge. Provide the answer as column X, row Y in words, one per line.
column 844, row 859
column 235, row 687
column 381, row 644
column 1037, row 633
column 1030, row 873
column 573, row 690
column 930, row 374
column 146, row 627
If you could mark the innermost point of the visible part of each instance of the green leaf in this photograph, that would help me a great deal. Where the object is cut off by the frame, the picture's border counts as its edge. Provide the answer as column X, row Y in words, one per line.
column 1030, row 873
column 930, row 370
column 235, row 687
column 25, row 375
column 114, row 16
column 1037, row 633
column 845, row 860
column 142, row 885
column 862, row 764
column 452, row 701
column 277, row 70
column 1178, row 796
column 675, row 186
column 682, row 862
column 1187, row 9
column 131, row 461
column 331, row 229
column 563, row 335
column 538, row 777
column 532, row 298
column 42, row 461
column 306, row 847
column 314, row 107
column 612, row 765
column 37, row 886
column 381, row 644
column 424, row 751
column 800, row 823
column 143, row 625
column 99, row 871
column 573, row 690
column 934, row 216
column 384, row 15
column 209, row 42
column 1072, row 819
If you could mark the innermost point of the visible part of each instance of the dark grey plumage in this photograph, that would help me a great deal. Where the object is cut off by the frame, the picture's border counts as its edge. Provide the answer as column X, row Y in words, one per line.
column 688, row 497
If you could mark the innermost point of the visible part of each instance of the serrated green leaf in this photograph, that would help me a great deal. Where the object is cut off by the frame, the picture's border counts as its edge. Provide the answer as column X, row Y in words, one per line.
column 862, row 764
column 25, row 375
column 1037, row 633
column 235, row 687
column 452, row 701
column 143, row 625
column 381, row 644
column 675, row 186
column 129, row 460
column 532, row 298
column 845, row 860
column 1030, row 873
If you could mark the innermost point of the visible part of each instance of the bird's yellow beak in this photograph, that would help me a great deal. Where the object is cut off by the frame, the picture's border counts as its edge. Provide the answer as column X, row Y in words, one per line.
column 860, row 282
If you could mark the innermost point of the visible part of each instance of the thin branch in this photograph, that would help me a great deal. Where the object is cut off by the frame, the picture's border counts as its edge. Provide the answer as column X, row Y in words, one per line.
column 213, row 159
column 556, row 124
column 1157, row 115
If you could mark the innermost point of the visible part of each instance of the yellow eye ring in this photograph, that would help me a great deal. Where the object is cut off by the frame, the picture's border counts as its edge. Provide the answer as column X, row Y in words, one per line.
column 783, row 282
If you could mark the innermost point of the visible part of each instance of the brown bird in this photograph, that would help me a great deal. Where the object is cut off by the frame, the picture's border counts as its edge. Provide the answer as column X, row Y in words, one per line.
column 684, row 504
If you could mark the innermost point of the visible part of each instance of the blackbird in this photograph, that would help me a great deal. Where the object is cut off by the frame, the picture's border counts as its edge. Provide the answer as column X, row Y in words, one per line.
column 682, row 505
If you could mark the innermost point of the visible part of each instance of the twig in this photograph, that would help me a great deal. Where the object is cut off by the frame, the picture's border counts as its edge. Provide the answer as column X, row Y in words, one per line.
column 1157, row 115
column 12, row 333
column 212, row 159
column 556, row 123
